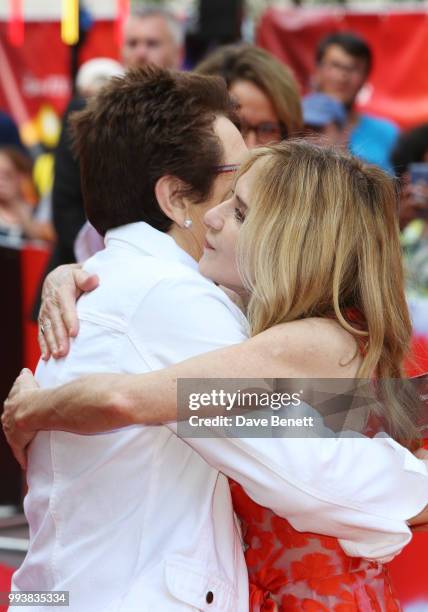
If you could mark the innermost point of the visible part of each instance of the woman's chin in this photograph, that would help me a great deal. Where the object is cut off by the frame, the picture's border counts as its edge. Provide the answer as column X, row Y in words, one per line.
column 207, row 269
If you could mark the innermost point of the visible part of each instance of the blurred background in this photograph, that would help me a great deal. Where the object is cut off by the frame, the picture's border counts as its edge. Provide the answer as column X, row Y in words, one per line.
column 368, row 93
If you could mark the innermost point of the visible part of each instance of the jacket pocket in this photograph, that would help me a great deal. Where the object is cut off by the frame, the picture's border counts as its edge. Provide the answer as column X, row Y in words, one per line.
column 197, row 586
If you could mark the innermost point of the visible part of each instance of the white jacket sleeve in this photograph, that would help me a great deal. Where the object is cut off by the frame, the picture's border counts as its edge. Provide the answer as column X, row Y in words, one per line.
column 359, row 490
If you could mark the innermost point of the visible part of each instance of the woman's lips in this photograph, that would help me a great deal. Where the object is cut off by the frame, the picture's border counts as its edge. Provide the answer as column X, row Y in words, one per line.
column 207, row 245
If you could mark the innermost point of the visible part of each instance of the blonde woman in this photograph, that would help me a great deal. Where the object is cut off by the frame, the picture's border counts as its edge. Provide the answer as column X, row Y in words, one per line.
column 318, row 265
column 265, row 89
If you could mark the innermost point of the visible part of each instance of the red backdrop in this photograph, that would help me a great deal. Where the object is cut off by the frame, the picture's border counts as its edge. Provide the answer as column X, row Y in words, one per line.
column 38, row 72
column 398, row 84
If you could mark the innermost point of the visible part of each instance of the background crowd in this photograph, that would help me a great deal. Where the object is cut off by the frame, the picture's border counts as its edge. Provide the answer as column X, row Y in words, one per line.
column 42, row 201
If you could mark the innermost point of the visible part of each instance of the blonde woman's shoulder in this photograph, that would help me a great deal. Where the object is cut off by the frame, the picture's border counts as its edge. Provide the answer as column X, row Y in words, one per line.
column 312, row 347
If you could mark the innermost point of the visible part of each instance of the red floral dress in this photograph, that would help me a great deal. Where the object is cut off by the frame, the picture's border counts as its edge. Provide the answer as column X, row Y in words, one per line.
column 293, row 571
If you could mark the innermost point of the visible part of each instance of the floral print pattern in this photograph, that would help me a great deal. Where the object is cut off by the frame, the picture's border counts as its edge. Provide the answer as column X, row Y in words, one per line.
column 305, row 572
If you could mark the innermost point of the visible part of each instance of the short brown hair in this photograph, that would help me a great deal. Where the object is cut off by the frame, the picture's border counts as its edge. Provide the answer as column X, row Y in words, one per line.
column 351, row 43
column 142, row 126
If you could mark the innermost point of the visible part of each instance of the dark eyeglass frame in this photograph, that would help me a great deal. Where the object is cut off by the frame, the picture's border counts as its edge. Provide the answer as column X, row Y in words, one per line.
column 279, row 127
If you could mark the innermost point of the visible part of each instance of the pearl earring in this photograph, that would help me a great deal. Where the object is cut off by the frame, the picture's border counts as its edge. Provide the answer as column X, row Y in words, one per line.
column 188, row 223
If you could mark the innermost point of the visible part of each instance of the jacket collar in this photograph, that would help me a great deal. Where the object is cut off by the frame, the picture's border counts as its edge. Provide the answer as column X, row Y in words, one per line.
column 151, row 241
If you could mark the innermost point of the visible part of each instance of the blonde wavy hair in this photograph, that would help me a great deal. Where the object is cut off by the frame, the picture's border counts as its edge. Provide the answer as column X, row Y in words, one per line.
column 320, row 238
column 249, row 63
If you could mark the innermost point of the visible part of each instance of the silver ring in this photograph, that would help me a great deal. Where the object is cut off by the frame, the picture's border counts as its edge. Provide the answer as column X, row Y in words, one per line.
column 44, row 326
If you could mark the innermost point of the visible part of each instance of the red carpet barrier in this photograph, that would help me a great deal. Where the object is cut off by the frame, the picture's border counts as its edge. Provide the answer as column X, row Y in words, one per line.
column 398, row 84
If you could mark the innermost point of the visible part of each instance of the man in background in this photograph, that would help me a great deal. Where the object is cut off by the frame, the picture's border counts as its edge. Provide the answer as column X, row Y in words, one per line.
column 343, row 64
column 151, row 36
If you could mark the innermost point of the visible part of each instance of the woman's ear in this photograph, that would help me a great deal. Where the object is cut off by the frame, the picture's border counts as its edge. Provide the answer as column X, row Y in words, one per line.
column 169, row 195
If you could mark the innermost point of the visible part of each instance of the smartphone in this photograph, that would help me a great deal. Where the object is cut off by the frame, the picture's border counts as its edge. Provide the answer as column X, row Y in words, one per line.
column 419, row 179
column 419, row 173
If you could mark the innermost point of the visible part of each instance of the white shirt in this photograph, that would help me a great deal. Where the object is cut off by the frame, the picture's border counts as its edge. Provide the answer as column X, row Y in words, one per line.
column 88, row 242
column 136, row 520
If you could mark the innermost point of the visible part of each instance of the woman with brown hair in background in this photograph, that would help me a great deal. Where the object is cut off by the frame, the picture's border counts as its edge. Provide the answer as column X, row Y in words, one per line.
column 265, row 89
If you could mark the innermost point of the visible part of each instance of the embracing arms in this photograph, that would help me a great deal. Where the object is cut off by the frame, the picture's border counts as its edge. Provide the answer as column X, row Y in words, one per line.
column 341, row 487
column 306, row 481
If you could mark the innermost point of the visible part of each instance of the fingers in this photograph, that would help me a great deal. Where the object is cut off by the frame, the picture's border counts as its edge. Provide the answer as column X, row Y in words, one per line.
column 19, row 446
column 16, row 387
column 20, row 455
column 46, row 330
column 58, row 319
column 84, row 282
column 417, row 528
column 44, row 349
column 53, row 335
column 66, row 297
column 59, row 292
column 26, row 380
column 16, row 449
column 55, row 330
column 17, row 439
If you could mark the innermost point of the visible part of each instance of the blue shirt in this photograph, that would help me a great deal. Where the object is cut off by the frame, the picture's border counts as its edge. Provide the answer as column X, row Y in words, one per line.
column 373, row 140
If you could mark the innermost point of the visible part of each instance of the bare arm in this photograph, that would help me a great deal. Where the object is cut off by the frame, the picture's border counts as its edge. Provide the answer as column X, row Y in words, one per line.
column 102, row 402
column 292, row 478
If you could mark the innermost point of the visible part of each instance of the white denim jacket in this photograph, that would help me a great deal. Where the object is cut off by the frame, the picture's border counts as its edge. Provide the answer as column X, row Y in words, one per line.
column 141, row 520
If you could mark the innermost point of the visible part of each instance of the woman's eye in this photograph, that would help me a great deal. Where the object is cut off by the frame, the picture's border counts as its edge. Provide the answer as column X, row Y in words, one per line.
column 239, row 215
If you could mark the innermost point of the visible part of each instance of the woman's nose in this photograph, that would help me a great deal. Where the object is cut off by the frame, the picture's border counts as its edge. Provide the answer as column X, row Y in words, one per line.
column 250, row 139
column 214, row 218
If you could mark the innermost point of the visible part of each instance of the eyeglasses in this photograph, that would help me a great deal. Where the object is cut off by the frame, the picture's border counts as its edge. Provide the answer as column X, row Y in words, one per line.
column 266, row 132
column 226, row 168
column 351, row 69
